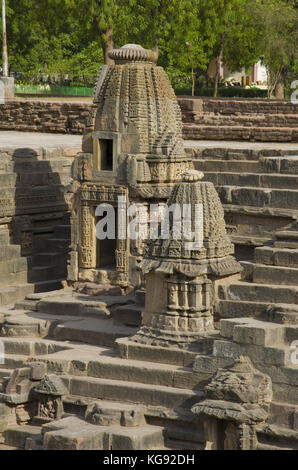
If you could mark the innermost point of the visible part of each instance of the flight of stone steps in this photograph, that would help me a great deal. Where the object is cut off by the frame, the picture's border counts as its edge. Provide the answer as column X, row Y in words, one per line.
column 269, row 286
column 75, row 336
column 35, row 186
column 255, row 120
column 258, row 190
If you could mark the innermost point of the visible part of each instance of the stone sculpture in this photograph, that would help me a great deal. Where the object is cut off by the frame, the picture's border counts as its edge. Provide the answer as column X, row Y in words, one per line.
column 237, row 399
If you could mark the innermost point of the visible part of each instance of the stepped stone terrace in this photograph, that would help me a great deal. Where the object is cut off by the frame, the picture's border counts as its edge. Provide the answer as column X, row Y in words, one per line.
column 145, row 344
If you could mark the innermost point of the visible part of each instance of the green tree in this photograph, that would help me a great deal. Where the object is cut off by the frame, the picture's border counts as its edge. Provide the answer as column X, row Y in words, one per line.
column 231, row 31
column 278, row 41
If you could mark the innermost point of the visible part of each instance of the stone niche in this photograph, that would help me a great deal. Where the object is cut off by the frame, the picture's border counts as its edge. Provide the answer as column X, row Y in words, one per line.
column 132, row 146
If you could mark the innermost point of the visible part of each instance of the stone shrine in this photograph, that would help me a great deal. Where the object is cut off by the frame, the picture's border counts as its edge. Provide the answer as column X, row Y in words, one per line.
column 181, row 274
column 133, row 150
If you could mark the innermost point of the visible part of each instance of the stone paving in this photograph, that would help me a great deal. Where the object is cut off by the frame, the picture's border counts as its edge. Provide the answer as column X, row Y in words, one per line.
column 13, row 139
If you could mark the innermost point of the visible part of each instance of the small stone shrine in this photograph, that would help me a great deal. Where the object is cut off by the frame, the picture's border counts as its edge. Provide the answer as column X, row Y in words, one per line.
column 237, row 400
column 181, row 274
column 132, row 153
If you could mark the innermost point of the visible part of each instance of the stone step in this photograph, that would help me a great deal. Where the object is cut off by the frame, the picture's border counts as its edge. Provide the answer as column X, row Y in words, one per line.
column 253, row 331
column 4, row 373
column 13, row 265
column 8, row 180
column 258, row 180
column 10, row 252
column 78, row 362
column 73, row 433
column 46, row 244
column 226, row 152
column 47, row 273
column 227, row 166
column 29, row 324
column 286, row 164
column 16, row 436
column 283, row 414
column 279, row 313
column 275, row 166
column 9, row 295
column 11, row 279
column 128, row 349
column 43, row 178
column 271, row 437
column 76, row 305
column 240, row 308
column 262, row 446
column 272, row 256
column 46, row 286
column 49, row 259
column 5, row 447
column 30, row 347
column 34, row 192
column 264, row 274
column 286, row 239
column 91, row 331
column 47, row 166
column 131, row 392
column 130, row 315
column 260, row 293
column 263, row 134
column 4, row 237
column 262, row 120
column 12, row 361
column 261, row 356
column 258, row 197
column 62, row 231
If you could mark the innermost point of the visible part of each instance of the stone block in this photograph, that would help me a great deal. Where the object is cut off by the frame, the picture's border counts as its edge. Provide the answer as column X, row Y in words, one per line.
column 143, row 437
column 89, row 437
column 251, row 197
column 284, row 198
column 104, row 413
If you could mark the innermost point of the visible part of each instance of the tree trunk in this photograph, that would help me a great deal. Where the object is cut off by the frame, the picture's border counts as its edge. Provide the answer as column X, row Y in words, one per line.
column 218, row 63
column 192, row 82
column 279, row 91
column 108, row 46
column 4, row 44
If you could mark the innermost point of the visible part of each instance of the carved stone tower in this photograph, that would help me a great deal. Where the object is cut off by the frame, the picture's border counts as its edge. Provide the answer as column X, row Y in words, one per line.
column 182, row 271
column 133, row 149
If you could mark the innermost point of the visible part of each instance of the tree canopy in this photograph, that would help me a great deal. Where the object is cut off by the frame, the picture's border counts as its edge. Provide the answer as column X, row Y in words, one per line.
column 75, row 36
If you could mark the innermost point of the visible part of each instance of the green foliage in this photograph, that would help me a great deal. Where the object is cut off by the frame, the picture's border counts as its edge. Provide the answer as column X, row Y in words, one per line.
column 234, row 92
column 73, row 37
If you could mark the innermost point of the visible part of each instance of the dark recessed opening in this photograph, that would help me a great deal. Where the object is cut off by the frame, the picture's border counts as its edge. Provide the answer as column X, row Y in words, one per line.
column 106, row 250
column 106, row 154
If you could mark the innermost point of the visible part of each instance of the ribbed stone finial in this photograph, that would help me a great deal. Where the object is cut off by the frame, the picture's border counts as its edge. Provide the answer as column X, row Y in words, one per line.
column 133, row 53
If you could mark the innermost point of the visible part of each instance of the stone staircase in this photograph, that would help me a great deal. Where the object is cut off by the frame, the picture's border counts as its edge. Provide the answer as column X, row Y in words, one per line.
column 224, row 119
column 269, row 286
column 77, row 343
column 258, row 190
column 35, row 188
column 76, row 336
